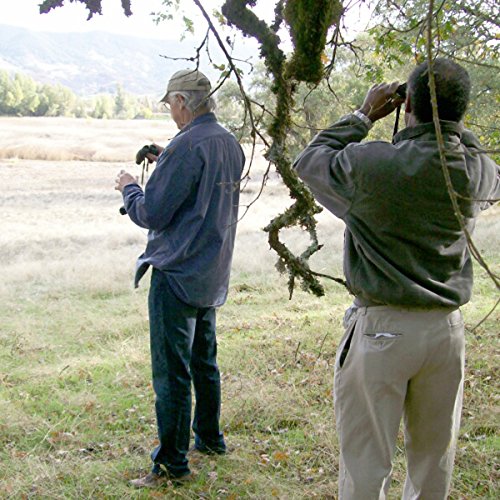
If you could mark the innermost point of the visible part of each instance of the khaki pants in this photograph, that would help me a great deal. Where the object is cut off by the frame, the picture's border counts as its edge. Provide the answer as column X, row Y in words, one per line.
column 395, row 363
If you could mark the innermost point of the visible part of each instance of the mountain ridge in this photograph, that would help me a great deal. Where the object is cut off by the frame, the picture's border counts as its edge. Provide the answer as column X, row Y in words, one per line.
column 90, row 63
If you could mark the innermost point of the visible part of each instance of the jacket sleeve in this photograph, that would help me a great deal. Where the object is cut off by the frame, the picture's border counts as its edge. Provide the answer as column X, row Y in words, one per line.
column 494, row 193
column 327, row 164
column 490, row 188
column 171, row 183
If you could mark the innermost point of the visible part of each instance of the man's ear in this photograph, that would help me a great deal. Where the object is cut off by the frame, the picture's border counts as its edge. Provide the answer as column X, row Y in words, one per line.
column 408, row 104
column 182, row 101
column 410, row 120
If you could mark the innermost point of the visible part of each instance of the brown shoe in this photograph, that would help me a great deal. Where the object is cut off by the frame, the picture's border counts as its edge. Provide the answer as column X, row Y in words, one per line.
column 153, row 480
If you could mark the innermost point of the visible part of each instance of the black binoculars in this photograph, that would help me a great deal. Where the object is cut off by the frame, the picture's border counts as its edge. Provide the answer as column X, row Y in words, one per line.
column 401, row 91
column 147, row 149
column 140, row 157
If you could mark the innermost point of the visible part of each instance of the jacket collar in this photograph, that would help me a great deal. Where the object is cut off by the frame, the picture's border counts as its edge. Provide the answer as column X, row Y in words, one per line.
column 204, row 118
column 427, row 131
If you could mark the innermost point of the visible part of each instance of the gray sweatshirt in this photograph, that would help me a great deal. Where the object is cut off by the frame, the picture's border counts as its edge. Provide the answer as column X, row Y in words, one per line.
column 403, row 244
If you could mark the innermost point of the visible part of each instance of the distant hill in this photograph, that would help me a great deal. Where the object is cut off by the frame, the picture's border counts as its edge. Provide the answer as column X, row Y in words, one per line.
column 91, row 63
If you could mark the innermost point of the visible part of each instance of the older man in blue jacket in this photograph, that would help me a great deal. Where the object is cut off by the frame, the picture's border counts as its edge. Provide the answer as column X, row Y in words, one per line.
column 190, row 206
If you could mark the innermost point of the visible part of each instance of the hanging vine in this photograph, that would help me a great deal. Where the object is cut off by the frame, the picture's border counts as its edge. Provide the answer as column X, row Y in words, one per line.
column 309, row 26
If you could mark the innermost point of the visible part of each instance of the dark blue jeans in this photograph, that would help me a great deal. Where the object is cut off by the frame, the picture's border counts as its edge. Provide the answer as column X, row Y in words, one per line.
column 183, row 349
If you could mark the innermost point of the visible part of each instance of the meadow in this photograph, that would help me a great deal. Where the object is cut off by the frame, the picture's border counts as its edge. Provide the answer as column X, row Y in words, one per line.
column 76, row 402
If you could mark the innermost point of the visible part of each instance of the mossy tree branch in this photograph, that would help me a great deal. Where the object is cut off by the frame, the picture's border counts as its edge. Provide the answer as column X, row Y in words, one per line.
column 285, row 76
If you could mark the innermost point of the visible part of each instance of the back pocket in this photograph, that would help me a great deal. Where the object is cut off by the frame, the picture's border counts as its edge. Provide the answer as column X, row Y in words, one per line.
column 347, row 344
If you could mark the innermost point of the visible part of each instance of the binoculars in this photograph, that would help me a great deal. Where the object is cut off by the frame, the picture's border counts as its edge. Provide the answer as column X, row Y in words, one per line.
column 141, row 154
column 140, row 157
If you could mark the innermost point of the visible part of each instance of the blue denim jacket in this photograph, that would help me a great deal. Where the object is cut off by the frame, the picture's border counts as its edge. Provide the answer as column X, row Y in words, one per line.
column 190, row 206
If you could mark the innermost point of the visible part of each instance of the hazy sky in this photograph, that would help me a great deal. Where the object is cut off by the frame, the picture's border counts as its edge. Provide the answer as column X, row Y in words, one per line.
column 72, row 17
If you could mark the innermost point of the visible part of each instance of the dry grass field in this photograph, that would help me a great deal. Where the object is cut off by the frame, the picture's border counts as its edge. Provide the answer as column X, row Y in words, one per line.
column 76, row 404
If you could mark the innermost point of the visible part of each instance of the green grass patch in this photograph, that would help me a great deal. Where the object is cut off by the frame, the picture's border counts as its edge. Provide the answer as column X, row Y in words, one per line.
column 76, row 402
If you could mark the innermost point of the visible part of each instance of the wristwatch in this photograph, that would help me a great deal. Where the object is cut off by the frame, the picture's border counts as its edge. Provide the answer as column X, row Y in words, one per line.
column 363, row 118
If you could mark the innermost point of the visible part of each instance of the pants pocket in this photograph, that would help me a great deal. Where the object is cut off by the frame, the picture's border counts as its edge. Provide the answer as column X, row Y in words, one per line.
column 382, row 336
column 345, row 344
column 380, row 341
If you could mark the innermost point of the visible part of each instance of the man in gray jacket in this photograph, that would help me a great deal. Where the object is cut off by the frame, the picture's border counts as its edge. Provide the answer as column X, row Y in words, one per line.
column 407, row 263
column 190, row 206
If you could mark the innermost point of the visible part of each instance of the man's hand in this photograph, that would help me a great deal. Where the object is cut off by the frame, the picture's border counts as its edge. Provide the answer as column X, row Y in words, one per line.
column 124, row 179
column 151, row 157
column 381, row 100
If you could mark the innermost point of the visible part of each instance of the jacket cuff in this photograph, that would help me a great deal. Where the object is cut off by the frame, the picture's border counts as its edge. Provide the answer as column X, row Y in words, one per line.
column 363, row 118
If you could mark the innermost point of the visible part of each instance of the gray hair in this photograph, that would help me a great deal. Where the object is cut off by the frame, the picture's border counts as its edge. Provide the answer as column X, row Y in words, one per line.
column 196, row 101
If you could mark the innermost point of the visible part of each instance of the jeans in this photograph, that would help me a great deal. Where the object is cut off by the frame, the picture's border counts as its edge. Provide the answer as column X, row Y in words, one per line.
column 183, row 349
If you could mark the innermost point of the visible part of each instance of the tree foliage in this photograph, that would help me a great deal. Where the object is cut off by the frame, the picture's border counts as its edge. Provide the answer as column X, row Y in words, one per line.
column 465, row 30
column 20, row 95
column 468, row 30
column 93, row 6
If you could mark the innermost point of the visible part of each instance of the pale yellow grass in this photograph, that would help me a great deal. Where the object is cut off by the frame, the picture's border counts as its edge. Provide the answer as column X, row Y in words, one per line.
column 65, row 139
column 60, row 225
column 60, row 221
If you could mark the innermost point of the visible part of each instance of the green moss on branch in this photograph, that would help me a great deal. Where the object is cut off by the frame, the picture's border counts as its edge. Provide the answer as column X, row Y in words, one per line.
column 309, row 22
column 303, row 210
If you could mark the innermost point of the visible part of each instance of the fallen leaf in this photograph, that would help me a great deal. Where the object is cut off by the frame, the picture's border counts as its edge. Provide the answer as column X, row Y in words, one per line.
column 280, row 456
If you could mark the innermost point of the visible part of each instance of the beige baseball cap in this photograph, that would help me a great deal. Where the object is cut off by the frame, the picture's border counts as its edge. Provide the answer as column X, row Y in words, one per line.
column 187, row 79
